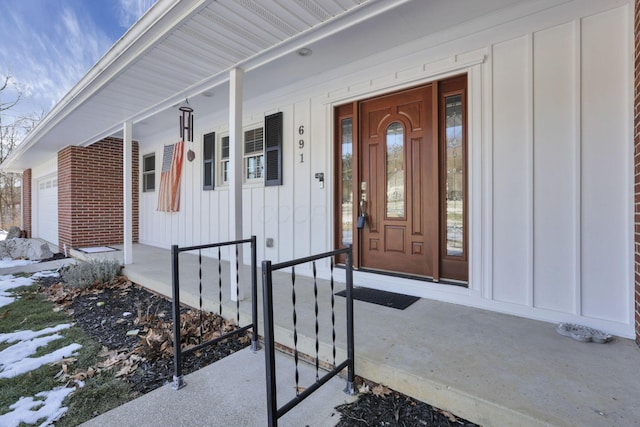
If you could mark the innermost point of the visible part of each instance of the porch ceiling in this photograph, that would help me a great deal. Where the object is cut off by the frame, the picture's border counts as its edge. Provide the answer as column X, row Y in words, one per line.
column 185, row 48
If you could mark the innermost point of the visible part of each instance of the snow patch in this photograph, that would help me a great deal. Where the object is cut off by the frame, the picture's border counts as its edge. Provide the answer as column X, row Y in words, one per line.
column 23, row 349
column 30, row 363
column 49, row 273
column 10, row 282
column 8, row 262
column 29, row 410
column 28, row 334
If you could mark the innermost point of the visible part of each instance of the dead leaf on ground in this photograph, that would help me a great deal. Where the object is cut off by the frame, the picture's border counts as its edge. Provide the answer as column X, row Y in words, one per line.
column 449, row 415
column 380, row 390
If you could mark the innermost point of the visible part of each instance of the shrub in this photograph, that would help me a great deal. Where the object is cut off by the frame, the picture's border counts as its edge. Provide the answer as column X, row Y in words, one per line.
column 85, row 274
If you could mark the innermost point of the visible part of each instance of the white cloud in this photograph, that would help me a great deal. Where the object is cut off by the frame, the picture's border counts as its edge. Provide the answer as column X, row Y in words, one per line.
column 132, row 10
column 46, row 64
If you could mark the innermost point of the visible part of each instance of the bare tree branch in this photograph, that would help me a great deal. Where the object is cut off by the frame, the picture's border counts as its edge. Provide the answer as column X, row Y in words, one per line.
column 9, row 105
column 11, row 135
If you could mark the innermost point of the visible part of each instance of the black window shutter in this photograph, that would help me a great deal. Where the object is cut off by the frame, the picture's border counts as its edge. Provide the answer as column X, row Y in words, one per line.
column 273, row 149
column 208, row 164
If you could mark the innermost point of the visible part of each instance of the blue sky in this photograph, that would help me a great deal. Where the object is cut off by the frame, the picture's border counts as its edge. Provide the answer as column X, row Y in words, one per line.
column 48, row 45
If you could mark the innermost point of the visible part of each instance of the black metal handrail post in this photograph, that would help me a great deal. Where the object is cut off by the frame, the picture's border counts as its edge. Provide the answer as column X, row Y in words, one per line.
column 178, row 378
column 269, row 344
column 178, row 353
column 273, row 412
column 350, row 388
column 255, row 343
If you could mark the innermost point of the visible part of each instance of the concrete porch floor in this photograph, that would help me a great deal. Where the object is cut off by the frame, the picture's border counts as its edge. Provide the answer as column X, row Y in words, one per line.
column 490, row 368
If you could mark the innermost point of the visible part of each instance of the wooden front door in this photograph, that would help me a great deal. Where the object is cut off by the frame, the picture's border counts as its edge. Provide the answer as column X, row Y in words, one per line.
column 399, row 182
column 405, row 154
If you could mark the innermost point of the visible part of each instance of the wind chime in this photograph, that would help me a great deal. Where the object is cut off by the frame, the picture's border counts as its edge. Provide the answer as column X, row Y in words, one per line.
column 186, row 126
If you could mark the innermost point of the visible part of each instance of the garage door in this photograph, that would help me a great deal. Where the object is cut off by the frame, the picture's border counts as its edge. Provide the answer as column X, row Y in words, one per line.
column 47, row 210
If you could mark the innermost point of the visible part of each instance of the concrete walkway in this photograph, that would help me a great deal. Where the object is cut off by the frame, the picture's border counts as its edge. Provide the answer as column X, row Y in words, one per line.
column 231, row 392
column 491, row 368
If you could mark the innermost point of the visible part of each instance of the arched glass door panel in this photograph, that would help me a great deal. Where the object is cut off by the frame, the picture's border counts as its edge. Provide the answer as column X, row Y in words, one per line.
column 395, row 171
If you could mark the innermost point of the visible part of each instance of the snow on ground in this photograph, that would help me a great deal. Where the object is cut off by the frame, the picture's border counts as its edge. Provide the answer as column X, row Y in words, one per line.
column 8, row 262
column 23, row 349
column 29, row 335
column 15, row 361
column 11, row 282
column 30, row 363
column 29, row 410
column 45, row 274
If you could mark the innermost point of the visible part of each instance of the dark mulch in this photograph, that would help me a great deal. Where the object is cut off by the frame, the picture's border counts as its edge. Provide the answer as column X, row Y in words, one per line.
column 103, row 314
column 394, row 409
column 109, row 313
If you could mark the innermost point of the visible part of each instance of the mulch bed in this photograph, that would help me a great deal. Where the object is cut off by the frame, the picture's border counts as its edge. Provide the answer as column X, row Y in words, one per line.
column 381, row 406
column 108, row 312
column 145, row 359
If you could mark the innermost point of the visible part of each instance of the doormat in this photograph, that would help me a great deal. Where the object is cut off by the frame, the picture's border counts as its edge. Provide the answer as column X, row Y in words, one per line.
column 97, row 249
column 387, row 299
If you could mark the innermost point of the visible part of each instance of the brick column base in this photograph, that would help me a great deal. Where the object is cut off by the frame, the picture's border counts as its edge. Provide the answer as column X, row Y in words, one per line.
column 90, row 194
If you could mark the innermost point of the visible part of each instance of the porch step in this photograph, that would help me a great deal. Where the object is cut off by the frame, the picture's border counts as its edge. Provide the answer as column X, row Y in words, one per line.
column 490, row 368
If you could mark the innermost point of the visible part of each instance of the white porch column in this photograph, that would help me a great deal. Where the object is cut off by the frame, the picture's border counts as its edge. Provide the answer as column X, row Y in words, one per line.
column 127, row 170
column 235, row 171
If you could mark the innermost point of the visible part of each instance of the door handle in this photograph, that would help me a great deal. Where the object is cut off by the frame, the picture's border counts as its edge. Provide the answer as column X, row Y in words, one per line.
column 362, row 218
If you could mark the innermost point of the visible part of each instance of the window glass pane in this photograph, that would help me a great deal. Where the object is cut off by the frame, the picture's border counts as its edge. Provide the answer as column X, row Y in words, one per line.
column 149, row 163
column 225, row 147
column 149, row 182
column 148, row 172
column 454, row 167
column 255, row 167
column 395, row 171
column 225, row 171
column 346, row 148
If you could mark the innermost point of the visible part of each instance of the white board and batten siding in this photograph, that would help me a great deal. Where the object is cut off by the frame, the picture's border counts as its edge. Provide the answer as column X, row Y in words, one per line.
column 562, row 169
column 550, row 164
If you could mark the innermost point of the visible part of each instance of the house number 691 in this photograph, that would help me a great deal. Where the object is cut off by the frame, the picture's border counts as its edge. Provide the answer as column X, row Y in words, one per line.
column 301, row 142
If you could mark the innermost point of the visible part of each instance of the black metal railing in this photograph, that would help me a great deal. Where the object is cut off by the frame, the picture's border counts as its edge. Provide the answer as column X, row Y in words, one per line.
column 274, row 413
column 178, row 352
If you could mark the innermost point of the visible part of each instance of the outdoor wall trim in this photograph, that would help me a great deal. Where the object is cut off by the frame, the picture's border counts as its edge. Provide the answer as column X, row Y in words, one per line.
column 127, row 169
column 235, row 167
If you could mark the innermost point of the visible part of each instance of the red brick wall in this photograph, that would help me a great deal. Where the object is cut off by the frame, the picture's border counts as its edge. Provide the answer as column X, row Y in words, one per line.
column 636, row 142
column 26, row 201
column 90, row 196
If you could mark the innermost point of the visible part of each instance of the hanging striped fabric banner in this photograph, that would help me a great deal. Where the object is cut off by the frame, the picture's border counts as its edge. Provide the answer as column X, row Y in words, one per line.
column 169, row 193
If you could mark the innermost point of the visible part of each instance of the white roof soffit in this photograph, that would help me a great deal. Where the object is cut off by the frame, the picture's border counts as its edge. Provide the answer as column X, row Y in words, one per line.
column 178, row 49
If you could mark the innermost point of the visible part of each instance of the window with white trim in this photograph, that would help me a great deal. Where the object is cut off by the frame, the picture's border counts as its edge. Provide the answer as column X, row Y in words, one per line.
column 149, row 172
column 224, row 160
column 254, row 154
